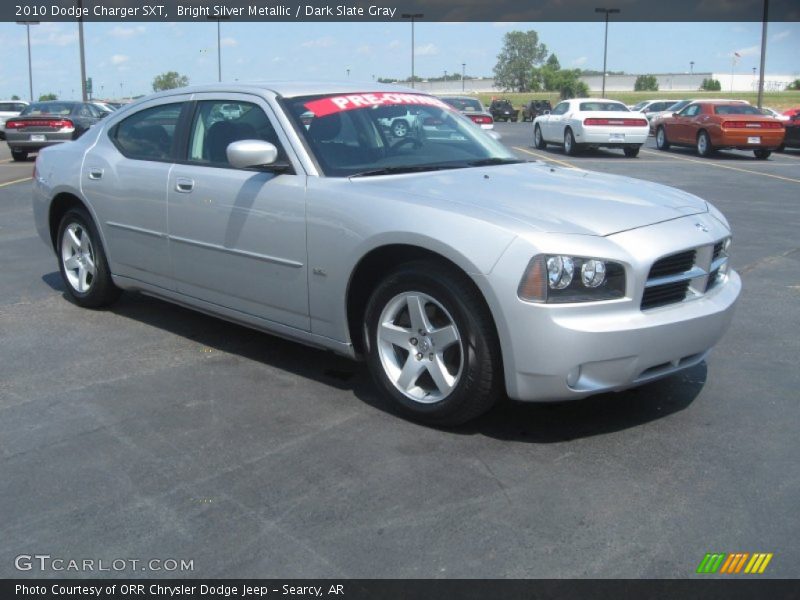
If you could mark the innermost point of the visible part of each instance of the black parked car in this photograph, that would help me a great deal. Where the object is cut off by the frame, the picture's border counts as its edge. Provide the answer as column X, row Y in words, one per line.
column 792, row 137
column 534, row 108
column 502, row 110
column 43, row 124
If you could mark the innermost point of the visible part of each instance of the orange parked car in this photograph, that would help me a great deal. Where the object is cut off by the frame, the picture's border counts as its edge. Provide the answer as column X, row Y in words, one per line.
column 710, row 126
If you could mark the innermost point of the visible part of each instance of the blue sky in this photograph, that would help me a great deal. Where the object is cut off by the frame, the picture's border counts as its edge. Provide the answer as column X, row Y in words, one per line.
column 131, row 54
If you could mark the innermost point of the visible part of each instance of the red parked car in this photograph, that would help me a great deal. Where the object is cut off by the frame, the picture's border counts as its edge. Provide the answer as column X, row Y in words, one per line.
column 709, row 126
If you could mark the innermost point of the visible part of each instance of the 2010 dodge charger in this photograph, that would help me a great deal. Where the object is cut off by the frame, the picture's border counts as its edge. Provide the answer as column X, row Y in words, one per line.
column 456, row 270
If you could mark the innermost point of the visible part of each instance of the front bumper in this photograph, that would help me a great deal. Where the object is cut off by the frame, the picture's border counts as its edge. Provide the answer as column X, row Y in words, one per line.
column 569, row 351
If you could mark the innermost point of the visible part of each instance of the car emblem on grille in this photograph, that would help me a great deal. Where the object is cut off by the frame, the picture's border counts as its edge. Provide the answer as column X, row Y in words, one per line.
column 701, row 227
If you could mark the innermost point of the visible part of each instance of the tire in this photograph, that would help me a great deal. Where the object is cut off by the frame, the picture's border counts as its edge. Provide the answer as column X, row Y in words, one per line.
column 538, row 138
column 631, row 151
column 704, row 147
column 82, row 261
column 762, row 153
column 443, row 385
column 570, row 147
column 662, row 143
column 19, row 155
column 400, row 129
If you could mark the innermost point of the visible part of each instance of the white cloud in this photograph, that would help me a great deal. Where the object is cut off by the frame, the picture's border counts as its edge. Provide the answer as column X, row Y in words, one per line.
column 580, row 61
column 426, row 50
column 323, row 42
column 122, row 32
column 227, row 42
column 52, row 34
column 118, row 59
column 394, row 44
column 782, row 35
column 365, row 49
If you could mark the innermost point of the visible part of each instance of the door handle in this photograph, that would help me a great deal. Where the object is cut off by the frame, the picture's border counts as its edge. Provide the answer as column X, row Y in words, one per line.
column 184, row 185
column 95, row 174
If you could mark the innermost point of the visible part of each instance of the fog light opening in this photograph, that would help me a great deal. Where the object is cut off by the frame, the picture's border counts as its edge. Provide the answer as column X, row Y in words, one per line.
column 573, row 376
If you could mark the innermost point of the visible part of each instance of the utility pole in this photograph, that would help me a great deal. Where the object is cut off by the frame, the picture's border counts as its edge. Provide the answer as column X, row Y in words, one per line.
column 763, row 54
column 84, row 91
column 413, row 17
column 30, row 69
column 606, row 11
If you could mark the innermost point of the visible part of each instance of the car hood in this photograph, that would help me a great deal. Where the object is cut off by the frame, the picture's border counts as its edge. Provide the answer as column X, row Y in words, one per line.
column 546, row 198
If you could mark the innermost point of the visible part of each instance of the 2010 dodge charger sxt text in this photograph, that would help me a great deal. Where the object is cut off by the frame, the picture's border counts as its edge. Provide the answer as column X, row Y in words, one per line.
column 458, row 271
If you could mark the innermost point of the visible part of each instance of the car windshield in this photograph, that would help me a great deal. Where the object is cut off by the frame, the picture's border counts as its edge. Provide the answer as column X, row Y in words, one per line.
column 465, row 104
column 383, row 133
column 736, row 109
column 604, row 107
column 47, row 108
column 678, row 106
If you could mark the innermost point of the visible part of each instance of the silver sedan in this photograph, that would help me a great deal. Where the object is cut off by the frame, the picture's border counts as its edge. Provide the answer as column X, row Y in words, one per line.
column 458, row 272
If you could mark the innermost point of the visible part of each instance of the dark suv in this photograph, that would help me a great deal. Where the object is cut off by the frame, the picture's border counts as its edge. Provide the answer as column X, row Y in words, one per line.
column 503, row 111
column 534, row 108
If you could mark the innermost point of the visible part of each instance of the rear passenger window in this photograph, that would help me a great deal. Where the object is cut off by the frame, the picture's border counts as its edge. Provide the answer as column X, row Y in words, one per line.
column 218, row 124
column 149, row 134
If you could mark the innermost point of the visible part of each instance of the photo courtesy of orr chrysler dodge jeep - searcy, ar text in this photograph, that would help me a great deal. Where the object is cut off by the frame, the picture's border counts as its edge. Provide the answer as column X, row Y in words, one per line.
column 458, row 271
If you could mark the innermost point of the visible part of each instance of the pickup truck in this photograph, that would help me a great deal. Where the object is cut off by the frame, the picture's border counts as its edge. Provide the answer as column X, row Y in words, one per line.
column 502, row 110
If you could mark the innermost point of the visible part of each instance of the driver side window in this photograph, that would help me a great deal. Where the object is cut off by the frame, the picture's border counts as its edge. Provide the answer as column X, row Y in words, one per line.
column 218, row 123
column 560, row 109
column 690, row 111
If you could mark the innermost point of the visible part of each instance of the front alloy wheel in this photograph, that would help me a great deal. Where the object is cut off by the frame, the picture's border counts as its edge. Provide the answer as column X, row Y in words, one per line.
column 704, row 144
column 431, row 344
column 538, row 140
column 661, row 139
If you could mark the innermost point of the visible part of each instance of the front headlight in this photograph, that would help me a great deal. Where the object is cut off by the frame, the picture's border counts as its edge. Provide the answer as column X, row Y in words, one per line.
column 562, row 279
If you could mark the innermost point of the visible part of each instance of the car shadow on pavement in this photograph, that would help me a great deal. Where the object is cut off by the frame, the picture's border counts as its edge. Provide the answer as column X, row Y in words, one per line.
column 541, row 423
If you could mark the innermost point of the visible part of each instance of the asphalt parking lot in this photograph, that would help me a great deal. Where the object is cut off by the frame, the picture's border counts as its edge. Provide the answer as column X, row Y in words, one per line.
column 150, row 431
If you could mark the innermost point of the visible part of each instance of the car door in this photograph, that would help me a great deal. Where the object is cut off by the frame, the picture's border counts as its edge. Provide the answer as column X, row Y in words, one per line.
column 555, row 123
column 124, row 176
column 238, row 236
column 683, row 129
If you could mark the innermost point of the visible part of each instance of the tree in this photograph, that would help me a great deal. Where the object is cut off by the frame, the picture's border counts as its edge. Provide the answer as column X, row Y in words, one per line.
column 711, row 85
column 46, row 97
column 646, row 83
column 569, row 85
column 521, row 53
column 15, row 97
column 795, row 85
column 169, row 81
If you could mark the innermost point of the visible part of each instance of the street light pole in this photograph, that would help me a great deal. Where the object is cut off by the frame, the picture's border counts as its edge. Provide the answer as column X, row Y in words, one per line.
column 84, row 91
column 413, row 17
column 30, row 69
column 763, row 53
column 606, row 11
column 691, row 67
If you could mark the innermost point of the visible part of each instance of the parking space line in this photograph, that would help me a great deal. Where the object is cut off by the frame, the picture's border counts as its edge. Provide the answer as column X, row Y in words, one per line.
column 15, row 181
column 5, row 160
column 713, row 164
column 545, row 157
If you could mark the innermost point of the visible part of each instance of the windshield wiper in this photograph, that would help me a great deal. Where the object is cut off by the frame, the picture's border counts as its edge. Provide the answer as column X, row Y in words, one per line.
column 486, row 162
column 406, row 169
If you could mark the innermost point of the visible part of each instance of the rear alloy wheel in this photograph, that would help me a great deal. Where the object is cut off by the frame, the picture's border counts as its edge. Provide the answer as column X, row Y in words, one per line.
column 661, row 139
column 431, row 344
column 538, row 138
column 704, row 147
column 631, row 151
column 570, row 147
column 400, row 129
column 82, row 261
column 762, row 153
column 19, row 155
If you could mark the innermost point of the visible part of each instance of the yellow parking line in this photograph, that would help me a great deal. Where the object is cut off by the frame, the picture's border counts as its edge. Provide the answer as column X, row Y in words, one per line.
column 713, row 164
column 15, row 181
column 545, row 157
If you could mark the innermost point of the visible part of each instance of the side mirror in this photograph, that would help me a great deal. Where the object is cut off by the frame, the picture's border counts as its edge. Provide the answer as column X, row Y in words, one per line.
column 494, row 134
column 675, row 114
column 251, row 153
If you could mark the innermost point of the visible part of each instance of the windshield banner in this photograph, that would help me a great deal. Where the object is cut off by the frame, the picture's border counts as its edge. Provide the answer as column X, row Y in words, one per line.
column 334, row 104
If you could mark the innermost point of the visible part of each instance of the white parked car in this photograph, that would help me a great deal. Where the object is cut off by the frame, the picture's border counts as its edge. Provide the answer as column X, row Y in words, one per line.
column 774, row 113
column 595, row 122
column 9, row 109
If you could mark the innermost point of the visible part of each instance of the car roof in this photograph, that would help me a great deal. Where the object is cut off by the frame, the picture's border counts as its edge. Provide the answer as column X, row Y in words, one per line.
column 460, row 97
column 291, row 89
column 596, row 100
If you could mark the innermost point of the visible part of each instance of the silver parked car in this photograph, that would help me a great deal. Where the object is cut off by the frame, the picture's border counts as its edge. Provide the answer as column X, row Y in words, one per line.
column 459, row 272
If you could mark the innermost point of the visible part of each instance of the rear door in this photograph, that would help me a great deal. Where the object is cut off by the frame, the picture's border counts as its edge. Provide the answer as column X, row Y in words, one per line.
column 238, row 236
column 125, row 176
